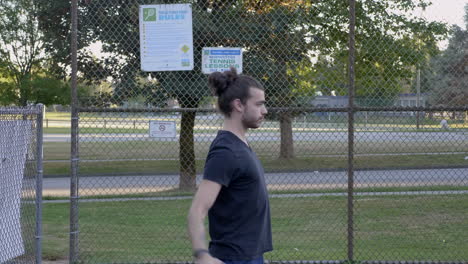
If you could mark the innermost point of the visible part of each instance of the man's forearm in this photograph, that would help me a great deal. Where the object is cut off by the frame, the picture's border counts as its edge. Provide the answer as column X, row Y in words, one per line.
column 197, row 229
column 201, row 204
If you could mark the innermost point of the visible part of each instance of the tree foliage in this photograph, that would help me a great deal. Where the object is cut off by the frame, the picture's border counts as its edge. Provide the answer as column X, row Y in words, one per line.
column 294, row 47
column 24, row 77
column 390, row 44
column 448, row 75
column 20, row 48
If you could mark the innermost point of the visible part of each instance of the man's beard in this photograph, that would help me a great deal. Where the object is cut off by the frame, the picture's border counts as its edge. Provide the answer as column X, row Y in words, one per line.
column 250, row 123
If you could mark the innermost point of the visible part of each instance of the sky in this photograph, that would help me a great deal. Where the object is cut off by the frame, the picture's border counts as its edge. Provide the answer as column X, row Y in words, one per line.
column 450, row 11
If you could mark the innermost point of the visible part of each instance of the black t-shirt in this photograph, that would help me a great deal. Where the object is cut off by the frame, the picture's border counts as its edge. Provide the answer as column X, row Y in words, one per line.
column 239, row 220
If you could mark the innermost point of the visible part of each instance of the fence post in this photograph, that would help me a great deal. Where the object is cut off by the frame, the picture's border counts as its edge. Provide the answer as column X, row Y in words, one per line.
column 418, row 95
column 73, row 256
column 352, row 25
column 39, row 168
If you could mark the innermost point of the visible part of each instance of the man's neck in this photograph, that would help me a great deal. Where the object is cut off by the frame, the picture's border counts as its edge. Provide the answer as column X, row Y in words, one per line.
column 235, row 128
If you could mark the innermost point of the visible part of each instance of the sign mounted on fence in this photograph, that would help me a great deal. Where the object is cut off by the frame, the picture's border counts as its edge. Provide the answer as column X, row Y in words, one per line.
column 221, row 59
column 162, row 129
column 166, row 41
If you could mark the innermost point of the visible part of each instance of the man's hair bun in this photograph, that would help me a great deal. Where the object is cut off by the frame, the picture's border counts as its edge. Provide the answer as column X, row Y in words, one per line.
column 220, row 82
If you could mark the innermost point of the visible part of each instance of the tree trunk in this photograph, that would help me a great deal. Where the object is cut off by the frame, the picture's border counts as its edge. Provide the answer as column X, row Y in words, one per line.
column 23, row 97
column 187, row 152
column 287, row 143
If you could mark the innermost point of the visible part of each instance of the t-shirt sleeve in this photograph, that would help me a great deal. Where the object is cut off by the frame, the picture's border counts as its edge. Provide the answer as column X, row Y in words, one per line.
column 221, row 166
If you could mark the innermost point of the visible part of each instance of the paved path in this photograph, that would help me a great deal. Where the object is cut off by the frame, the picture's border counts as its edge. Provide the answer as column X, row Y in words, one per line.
column 106, row 185
column 461, row 137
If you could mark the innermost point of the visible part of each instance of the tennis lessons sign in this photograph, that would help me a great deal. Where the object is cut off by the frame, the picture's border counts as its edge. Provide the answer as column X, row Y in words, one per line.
column 221, row 59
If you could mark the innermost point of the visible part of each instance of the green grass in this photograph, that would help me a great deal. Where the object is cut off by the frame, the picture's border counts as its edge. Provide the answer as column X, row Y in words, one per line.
column 387, row 228
column 58, row 115
column 309, row 118
column 152, row 157
column 138, row 123
column 142, row 149
column 56, row 130
column 56, row 228
column 270, row 165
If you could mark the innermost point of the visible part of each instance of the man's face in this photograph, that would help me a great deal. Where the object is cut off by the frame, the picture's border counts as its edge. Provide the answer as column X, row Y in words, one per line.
column 255, row 110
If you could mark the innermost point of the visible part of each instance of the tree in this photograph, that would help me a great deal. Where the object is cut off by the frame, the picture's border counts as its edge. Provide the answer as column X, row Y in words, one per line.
column 390, row 44
column 20, row 47
column 215, row 23
column 448, row 74
column 24, row 77
column 278, row 36
column 275, row 37
column 120, row 37
column 7, row 94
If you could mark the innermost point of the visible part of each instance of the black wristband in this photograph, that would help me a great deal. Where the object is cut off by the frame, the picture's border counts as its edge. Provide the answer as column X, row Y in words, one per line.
column 198, row 252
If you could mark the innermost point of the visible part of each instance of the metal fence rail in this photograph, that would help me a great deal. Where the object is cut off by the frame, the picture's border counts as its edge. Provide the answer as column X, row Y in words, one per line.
column 21, row 184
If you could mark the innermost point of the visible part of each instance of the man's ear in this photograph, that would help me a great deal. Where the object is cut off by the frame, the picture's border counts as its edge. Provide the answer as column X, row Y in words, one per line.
column 237, row 105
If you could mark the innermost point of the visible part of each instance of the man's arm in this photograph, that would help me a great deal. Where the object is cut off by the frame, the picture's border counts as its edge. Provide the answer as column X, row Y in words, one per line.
column 202, row 202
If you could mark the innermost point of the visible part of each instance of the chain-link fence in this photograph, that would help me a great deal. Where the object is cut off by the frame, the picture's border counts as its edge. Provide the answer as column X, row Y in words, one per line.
column 366, row 162
column 20, row 184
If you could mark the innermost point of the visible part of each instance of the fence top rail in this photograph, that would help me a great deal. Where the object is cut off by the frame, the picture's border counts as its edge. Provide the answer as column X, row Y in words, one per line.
column 27, row 110
column 413, row 109
column 138, row 110
column 280, row 109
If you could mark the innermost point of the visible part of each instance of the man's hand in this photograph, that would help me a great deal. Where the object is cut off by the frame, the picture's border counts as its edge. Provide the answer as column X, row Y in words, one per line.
column 206, row 258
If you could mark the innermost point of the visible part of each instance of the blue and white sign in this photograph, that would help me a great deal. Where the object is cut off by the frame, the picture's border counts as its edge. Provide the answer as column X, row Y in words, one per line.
column 166, row 38
column 221, row 59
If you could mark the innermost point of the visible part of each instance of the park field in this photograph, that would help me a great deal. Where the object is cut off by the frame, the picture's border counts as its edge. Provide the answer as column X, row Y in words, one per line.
column 115, row 122
column 152, row 157
column 393, row 227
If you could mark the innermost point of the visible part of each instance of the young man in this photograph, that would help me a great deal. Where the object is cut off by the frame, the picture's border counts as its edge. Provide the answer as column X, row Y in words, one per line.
column 233, row 191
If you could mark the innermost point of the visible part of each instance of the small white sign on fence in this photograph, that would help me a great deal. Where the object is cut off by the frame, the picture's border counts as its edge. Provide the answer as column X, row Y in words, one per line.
column 162, row 129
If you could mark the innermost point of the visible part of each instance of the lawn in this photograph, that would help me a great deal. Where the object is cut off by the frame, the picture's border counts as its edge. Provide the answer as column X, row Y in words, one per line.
column 209, row 123
column 419, row 227
column 145, row 167
column 151, row 157
column 401, row 228
column 143, row 156
column 139, row 148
